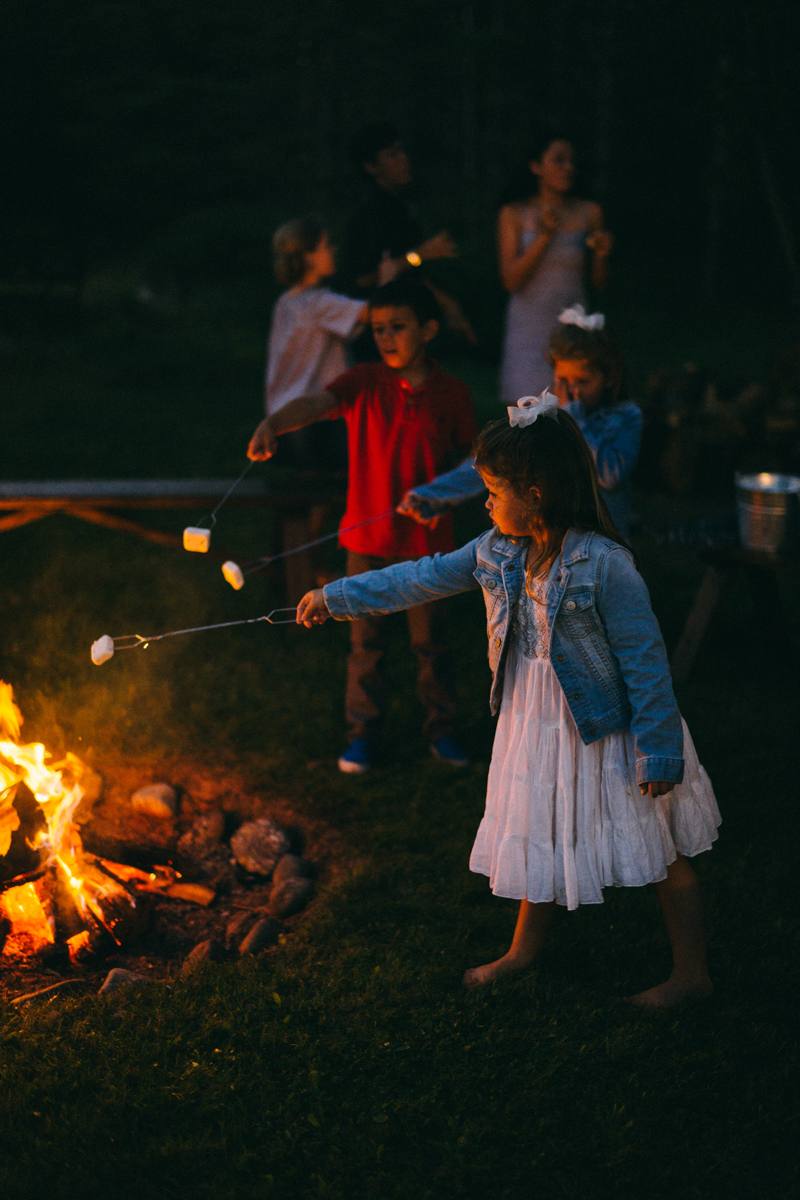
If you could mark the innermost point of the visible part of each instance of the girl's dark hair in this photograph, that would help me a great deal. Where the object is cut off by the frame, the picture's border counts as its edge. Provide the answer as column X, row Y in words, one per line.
column 290, row 245
column 523, row 183
column 597, row 347
column 551, row 456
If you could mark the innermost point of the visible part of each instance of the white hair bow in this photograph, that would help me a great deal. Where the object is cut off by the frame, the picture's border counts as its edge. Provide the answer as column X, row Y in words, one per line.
column 577, row 315
column 529, row 408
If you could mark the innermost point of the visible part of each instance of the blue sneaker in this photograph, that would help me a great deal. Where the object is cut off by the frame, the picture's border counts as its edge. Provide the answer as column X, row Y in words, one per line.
column 356, row 759
column 449, row 751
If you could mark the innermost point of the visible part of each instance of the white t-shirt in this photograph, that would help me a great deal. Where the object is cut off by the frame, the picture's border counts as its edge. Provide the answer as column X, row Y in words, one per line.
column 306, row 343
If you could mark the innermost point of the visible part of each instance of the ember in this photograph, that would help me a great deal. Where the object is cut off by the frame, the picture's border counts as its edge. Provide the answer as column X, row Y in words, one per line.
column 30, row 928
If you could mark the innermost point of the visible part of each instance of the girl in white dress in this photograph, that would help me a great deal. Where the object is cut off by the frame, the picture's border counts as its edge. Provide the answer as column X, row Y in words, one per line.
column 594, row 779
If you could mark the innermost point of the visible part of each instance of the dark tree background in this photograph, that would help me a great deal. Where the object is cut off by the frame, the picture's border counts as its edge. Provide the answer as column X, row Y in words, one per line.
column 173, row 135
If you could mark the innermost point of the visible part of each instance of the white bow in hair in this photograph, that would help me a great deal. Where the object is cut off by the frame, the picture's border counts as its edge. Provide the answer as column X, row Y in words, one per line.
column 529, row 408
column 577, row 315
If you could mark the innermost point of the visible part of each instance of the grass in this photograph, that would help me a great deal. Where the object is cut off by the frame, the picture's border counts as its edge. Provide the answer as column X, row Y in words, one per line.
column 350, row 1063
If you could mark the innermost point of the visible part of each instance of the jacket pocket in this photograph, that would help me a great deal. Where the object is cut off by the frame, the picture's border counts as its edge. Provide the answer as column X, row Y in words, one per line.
column 578, row 622
column 577, row 615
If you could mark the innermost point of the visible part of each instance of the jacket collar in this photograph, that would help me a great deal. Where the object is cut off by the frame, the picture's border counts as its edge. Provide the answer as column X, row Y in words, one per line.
column 575, row 546
column 507, row 546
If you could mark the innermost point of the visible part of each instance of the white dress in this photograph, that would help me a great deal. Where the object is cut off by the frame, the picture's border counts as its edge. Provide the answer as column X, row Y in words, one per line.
column 533, row 312
column 564, row 820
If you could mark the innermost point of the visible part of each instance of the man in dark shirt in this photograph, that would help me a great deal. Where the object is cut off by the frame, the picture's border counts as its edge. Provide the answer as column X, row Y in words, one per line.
column 384, row 234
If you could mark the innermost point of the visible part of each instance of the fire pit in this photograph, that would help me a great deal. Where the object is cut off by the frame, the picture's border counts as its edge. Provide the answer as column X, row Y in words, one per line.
column 91, row 881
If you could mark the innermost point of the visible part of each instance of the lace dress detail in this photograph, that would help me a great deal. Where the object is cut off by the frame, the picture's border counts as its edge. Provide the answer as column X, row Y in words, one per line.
column 563, row 820
column 529, row 628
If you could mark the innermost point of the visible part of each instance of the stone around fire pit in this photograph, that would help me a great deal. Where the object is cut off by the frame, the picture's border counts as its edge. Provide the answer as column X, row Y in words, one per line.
column 203, row 837
column 157, row 800
column 208, row 951
column 291, row 866
column 118, row 978
column 290, row 897
column 264, row 933
column 238, row 927
column 258, row 845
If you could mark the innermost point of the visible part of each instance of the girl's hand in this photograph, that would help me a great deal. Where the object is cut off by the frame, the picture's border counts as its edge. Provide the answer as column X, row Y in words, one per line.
column 312, row 609
column 263, row 443
column 656, row 787
column 601, row 242
column 418, row 509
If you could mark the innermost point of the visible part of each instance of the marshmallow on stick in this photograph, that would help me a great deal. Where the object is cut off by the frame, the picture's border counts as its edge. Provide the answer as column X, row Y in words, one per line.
column 102, row 650
column 196, row 539
column 233, row 573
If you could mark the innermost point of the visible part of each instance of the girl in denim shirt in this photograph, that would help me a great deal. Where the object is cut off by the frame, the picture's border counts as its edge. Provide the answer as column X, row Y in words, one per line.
column 589, row 380
column 594, row 779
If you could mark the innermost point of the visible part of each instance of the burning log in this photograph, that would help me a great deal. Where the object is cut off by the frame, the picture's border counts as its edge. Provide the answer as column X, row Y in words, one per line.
column 71, row 894
column 30, row 926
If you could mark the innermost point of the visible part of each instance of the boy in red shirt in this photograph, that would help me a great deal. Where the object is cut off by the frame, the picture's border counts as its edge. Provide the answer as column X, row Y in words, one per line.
column 405, row 420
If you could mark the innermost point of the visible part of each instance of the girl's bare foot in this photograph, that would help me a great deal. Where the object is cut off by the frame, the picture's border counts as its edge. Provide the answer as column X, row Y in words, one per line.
column 529, row 934
column 510, row 963
column 674, row 991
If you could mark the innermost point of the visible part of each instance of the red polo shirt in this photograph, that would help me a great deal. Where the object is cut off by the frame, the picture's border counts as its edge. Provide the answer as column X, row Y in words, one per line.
column 399, row 438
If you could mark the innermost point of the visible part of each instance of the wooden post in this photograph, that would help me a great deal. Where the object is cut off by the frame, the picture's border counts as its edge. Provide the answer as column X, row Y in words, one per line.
column 716, row 583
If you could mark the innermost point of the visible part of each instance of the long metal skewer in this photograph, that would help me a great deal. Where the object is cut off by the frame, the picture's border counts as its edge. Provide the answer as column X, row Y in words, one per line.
column 105, row 647
column 212, row 517
column 260, row 563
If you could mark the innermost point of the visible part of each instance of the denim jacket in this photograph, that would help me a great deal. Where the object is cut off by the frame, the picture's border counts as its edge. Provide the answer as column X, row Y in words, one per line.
column 613, row 434
column 605, row 644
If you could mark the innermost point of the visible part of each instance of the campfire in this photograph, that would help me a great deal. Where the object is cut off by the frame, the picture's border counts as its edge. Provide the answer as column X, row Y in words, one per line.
column 70, row 898
column 66, row 909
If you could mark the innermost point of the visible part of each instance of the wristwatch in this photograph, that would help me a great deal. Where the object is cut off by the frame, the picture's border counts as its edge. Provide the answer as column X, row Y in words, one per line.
column 413, row 259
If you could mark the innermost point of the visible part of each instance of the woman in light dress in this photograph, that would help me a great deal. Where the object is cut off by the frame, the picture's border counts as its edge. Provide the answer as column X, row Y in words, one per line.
column 546, row 239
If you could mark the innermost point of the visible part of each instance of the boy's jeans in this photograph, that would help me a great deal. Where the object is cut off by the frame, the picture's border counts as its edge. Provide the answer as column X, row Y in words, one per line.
column 366, row 690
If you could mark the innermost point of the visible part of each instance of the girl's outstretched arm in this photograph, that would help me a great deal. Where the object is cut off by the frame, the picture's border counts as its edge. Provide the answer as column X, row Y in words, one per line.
column 403, row 585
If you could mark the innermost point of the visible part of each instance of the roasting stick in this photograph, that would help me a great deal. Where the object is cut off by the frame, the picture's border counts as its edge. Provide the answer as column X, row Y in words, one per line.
column 195, row 537
column 42, row 991
column 104, row 648
column 235, row 574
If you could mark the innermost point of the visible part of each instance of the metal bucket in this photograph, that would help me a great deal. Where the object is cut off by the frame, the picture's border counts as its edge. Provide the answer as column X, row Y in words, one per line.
column 767, row 505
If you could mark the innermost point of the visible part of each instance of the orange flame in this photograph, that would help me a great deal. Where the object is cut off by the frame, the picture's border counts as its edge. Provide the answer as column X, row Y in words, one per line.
column 56, row 796
column 57, row 790
column 30, row 927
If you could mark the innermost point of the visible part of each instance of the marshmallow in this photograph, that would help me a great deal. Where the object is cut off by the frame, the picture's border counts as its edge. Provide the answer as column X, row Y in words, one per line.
column 102, row 650
column 233, row 574
column 196, row 539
